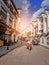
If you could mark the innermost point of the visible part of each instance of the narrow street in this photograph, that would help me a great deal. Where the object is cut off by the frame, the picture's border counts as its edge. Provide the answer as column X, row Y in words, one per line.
column 21, row 56
column 24, row 32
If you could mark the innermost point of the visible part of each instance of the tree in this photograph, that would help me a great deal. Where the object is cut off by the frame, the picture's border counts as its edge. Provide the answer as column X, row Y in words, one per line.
column 29, row 33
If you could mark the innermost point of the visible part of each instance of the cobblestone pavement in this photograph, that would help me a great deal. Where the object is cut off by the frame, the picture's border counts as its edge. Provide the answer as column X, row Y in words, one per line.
column 21, row 56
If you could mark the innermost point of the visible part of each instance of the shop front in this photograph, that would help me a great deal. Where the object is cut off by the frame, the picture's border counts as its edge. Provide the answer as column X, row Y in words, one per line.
column 2, row 33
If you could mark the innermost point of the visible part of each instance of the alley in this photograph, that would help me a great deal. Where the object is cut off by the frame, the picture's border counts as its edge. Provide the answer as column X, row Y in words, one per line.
column 21, row 56
column 24, row 23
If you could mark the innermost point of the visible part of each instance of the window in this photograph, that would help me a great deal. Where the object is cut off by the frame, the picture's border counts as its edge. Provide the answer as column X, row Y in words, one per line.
column 42, row 40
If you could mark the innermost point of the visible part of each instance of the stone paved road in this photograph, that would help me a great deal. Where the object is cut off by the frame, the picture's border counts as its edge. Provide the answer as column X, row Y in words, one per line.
column 22, row 56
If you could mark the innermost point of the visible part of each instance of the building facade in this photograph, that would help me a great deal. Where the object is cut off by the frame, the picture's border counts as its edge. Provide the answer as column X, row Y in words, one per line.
column 8, row 20
column 44, row 39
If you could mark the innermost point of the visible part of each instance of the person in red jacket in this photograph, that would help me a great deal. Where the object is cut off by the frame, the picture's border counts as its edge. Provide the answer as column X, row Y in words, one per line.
column 29, row 45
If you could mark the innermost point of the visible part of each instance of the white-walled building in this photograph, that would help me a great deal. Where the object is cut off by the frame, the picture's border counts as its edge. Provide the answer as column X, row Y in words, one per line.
column 44, row 39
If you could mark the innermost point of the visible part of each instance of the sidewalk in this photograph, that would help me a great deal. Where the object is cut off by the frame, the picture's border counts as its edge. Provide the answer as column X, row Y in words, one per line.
column 4, row 51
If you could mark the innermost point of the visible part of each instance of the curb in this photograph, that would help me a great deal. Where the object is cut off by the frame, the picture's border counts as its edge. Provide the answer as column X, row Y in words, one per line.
column 9, row 51
column 44, row 46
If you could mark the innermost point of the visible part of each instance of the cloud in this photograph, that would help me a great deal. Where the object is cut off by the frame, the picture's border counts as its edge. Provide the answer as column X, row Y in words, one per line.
column 18, row 3
column 37, row 13
column 45, row 3
column 24, row 4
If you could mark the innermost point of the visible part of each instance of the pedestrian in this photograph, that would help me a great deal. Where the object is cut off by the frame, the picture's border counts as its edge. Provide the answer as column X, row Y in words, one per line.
column 29, row 44
column 8, row 44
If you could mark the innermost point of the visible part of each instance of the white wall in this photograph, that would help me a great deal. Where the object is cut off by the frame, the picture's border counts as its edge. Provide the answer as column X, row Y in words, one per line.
column 7, row 20
column 39, row 26
column 48, row 22
column 44, row 24
column 12, row 37
column 16, row 38
column 45, row 41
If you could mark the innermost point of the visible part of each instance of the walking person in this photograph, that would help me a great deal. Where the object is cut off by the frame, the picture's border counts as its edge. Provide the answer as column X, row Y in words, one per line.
column 8, row 43
column 29, row 45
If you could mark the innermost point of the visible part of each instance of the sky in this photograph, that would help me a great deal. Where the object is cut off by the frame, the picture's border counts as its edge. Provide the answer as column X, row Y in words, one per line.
column 31, row 8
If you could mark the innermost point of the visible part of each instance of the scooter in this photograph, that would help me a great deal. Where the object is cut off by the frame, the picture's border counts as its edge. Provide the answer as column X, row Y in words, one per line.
column 29, row 46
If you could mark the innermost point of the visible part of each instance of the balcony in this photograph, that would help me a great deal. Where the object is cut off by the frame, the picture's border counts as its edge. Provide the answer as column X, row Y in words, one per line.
column 41, row 30
column 6, row 8
column 3, row 27
column 45, row 34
